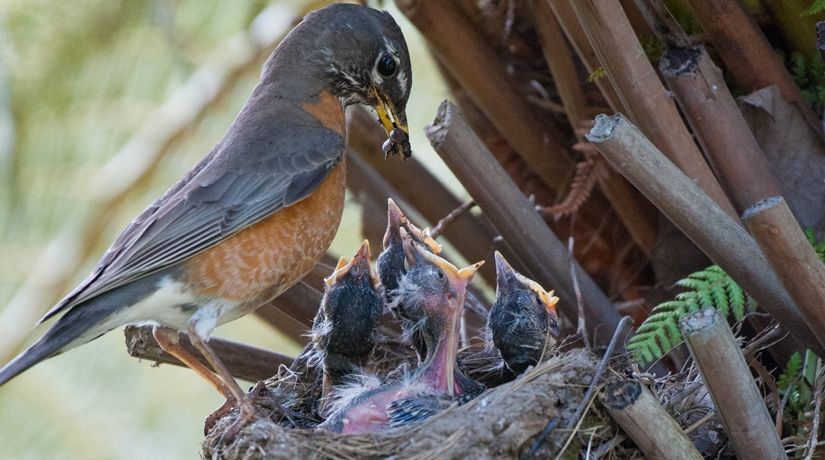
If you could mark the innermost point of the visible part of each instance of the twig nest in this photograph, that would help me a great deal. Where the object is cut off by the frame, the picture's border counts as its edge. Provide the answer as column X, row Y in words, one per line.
column 501, row 423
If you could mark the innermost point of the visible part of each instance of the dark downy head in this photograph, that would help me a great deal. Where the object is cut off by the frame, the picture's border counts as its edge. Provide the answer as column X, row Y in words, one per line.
column 352, row 306
column 521, row 317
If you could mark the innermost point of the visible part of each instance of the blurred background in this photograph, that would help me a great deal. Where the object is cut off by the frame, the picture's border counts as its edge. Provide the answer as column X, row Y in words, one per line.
column 88, row 89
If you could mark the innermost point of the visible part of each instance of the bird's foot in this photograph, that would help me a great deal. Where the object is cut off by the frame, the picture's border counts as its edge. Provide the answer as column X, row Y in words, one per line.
column 247, row 413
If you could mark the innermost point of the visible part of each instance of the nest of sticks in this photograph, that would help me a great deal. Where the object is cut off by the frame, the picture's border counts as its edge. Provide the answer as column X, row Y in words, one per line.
column 501, row 423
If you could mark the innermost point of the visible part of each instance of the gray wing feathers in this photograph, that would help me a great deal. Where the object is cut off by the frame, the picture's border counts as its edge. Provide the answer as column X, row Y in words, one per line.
column 235, row 186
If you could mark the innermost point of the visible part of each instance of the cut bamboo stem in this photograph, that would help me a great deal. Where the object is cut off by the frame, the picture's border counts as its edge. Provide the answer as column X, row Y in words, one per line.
column 544, row 256
column 243, row 361
column 743, row 169
column 623, row 197
column 728, row 379
column 577, row 37
column 470, row 61
column 774, row 227
column 690, row 209
column 731, row 148
column 748, row 56
column 643, row 94
column 646, row 422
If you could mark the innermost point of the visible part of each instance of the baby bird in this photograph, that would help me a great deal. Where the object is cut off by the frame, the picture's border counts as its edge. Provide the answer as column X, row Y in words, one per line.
column 433, row 291
column 521, row 317
column 343, row 333
column 391, row 266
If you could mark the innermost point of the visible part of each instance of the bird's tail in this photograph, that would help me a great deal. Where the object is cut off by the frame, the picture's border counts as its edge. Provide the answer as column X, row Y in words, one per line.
column 82, row 323
column 64, row 334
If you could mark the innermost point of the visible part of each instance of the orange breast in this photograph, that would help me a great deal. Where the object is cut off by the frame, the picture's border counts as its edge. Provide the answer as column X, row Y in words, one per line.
column 261, row 261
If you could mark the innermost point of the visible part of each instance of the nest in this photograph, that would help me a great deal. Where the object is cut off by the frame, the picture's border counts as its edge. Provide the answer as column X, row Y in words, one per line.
column 501, row 423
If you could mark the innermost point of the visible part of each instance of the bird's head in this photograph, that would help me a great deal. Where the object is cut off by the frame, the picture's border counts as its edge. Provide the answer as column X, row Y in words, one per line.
column 355, row 273
column 522, row 291
column 366, row 61
column 432, row 284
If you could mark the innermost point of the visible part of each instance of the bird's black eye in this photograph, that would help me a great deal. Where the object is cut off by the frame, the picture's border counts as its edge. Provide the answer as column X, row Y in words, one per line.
column 440, row 274
column 386, row 66
column 538, row 299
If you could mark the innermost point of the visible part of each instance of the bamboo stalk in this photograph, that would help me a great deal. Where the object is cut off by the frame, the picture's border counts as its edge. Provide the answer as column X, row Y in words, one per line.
column 544, row 256
column 627, row 201
column 728, row 379
column 746, row 53
column 774, row 227
column 727, row 140
column 690, row 209
column 646, row 422
column 243, row 361
column 742, row 167
column 577, row 37
column 470, row 61
column 642, row 93
column 560, row 62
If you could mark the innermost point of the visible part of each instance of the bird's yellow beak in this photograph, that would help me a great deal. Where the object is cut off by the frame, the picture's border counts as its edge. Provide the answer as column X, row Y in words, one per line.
column 464, row 274
column 547, row 298
column 361, row 259
column 395, row 124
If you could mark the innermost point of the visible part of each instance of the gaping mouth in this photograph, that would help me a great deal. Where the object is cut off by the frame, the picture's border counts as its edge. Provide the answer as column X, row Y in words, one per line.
column 398, row 135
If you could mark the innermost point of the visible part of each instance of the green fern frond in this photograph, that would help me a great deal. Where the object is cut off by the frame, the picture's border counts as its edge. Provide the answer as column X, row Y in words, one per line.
column 711, row 287
column 660, row 333
column 817, row 7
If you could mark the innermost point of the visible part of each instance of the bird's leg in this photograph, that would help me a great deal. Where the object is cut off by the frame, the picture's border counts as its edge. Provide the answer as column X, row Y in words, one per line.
column 232, row 385
column 167, row 339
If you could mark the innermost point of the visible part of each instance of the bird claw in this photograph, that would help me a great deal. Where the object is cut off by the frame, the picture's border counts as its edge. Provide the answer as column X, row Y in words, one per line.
column 247, row 412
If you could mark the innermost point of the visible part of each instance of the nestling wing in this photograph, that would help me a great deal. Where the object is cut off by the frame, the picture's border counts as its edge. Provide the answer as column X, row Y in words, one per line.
column 236, row 185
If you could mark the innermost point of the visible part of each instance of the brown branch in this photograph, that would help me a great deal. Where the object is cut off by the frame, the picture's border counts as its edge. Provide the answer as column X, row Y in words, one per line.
column 445, row 221
column 646, row 422
column 731, row 148
column 746, row 53
column 743, row 168
column 627, row 202
column 470, row 61
column 729, row 382
column 722, row 239
column 560, row 62
column 642, row 93
column 243, row 361
column 536, row 247
column 575, row 34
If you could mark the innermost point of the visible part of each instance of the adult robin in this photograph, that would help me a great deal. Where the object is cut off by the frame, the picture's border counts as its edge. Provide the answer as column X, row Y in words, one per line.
column 434, row 291
column 344, row 330
column 258, row 211
column 521, row 318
